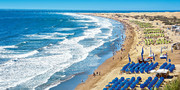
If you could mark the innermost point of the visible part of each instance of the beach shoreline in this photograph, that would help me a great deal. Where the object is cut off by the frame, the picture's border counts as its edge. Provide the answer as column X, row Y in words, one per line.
column 132, row 45
column 112, row 62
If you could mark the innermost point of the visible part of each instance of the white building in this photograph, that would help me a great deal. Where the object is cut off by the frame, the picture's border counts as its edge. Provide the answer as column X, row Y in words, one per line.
column 175, row 28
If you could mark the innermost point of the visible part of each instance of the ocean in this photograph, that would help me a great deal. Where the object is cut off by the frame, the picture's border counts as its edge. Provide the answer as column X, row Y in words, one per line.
column 53, row 49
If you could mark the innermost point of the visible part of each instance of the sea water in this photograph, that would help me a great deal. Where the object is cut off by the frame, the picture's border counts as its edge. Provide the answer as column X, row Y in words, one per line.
column 42, row 49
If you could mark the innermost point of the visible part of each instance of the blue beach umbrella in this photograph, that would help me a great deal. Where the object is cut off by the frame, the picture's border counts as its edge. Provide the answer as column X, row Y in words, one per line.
column 129, row 58
column 142, row 53
column 141, row 56
column 167, row 56
column 153, row 57
column 169, row 60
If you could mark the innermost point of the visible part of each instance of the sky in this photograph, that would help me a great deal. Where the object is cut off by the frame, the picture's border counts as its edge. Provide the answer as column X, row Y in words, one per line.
column 91, row 4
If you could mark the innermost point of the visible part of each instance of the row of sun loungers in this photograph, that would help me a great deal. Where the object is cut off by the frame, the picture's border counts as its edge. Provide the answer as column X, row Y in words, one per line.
column 159, row 82
column 131, row 83
column 146, row 67
column 149, row 83
column 122, row 83
column 139, row 67
column 169, row 66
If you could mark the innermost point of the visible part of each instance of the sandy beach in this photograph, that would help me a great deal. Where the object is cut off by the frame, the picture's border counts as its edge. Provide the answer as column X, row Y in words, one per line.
column 133, row 43
column 89, row 44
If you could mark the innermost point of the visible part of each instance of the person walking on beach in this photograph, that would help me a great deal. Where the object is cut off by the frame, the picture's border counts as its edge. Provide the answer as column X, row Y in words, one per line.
column 94, row 74
column 121, row 58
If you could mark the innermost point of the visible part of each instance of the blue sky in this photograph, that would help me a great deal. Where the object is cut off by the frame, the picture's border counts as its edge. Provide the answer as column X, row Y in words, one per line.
column 92, row 4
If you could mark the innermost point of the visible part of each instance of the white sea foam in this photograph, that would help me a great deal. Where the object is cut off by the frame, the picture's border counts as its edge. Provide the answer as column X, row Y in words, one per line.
column 34, row 71
column 70, row 29
column 4, row 47
column 56, row 33
column 46, row 36
column 16, row 56
column 82, row 20
column 4, row 52
column 79, row 16
column 65, row 29
column 26, row 54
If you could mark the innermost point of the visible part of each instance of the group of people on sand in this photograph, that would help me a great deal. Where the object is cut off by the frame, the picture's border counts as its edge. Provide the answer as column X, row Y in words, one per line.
column 96, row 74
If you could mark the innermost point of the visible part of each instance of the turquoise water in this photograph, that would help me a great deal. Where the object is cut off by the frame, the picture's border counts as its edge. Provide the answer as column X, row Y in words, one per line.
column 42, row 50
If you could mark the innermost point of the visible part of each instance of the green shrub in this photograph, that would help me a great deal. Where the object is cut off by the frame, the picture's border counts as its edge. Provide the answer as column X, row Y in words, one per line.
column 142, row 24
column 174, row 85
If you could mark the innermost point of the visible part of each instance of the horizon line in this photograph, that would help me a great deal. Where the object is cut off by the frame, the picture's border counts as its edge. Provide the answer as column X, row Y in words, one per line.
column 86, row 10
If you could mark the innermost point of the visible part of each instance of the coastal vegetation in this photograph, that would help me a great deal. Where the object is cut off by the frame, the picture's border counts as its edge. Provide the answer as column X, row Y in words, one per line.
column 149, row 31
column 166, row 20
column 174, row 85
column 143, row 24
column 152, row 36
column 159, row 41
